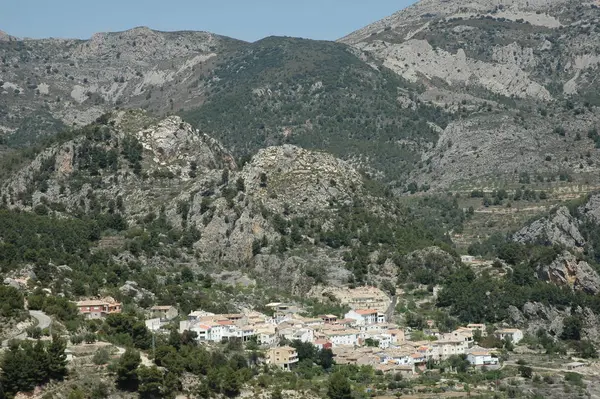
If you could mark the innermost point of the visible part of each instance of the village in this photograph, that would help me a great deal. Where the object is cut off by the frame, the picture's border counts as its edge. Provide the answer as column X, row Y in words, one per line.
column 363, row 336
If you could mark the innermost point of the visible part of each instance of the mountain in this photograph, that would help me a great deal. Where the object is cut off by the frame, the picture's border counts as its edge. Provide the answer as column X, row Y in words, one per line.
column 440, row 95
column 49, row 84
column 318, row 95
column 520, row 74
column 159, row 190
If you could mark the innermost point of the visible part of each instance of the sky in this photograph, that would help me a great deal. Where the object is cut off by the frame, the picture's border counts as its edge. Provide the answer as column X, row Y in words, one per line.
column 248, row 20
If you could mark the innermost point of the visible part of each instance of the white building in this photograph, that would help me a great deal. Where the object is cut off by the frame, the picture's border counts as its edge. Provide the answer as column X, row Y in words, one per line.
column 266, row 336
column 482, row 358
column 300, row 334
column 364, row 316
column 448, row 347
column 342, row 337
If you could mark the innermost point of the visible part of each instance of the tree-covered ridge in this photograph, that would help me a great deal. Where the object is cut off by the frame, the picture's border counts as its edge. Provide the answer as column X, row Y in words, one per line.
column 318, row 95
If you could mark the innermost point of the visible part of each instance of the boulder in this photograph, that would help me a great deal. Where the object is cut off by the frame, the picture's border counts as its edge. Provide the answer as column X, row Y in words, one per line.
column 12, row 283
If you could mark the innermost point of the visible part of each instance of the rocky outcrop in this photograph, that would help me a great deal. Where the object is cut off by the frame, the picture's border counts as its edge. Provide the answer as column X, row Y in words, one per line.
column 560, row 228
column 417, row 59
column 137, row 293
column 591, row 208
column 567, row 270
column 305, row 180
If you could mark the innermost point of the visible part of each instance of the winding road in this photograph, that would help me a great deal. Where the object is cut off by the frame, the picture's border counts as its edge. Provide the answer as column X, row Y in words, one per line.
column 43, row 321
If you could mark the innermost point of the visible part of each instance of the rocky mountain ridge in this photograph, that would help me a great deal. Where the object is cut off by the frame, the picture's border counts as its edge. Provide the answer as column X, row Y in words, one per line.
column 520, row 58
column 451, row 94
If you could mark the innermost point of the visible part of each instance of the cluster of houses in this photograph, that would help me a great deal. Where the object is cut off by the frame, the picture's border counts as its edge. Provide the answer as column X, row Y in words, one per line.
column 362, row 337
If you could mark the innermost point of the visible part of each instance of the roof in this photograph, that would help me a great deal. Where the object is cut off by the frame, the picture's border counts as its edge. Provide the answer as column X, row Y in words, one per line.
column 92, row 302
column 480, row 353
column 366, row 311
column 167, row 307
column 508, row 330
column 284, row 348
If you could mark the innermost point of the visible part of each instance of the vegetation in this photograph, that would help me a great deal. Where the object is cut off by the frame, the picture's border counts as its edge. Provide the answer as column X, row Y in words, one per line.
column 28, row 364
column 324, row 96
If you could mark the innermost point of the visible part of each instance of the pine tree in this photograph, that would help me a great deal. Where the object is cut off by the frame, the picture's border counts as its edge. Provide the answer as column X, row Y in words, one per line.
column 127, row 378
column 151, row 383
column 57, row 359
column 339, row 387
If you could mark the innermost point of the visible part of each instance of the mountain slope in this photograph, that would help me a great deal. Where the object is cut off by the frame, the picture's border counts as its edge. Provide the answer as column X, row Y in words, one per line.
column 318, row 95
column 46, row 84
column 520, row 74
column 161, row 193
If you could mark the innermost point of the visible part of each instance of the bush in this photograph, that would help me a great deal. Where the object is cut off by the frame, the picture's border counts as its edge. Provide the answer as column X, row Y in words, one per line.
column 101, row 357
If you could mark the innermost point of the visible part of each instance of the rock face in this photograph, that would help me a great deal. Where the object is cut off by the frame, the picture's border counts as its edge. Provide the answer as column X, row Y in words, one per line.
column 591, row 208
column 75, row 81
column 561, row 228
column 417, row 59
column 567, row 270
column 484, row 49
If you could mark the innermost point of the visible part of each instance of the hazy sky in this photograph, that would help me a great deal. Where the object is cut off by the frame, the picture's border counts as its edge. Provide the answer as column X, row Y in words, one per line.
column 243, row 19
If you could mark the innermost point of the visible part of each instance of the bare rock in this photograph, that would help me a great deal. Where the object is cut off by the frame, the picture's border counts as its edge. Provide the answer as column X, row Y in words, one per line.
column 12, row 283
column 561, row 228
column 131, row 289
column 567, row 270
column 592, row 208
column 515, row 316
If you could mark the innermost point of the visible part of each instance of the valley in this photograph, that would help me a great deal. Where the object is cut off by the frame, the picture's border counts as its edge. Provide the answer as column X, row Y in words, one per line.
column 410, row 211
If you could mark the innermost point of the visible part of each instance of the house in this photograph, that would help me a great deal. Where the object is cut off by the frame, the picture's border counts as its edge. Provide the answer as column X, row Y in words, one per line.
column 361, row 297
column 323, row 344
column 514, row 334
column 329, row 318
column 97, row 309
column 266, row 336
column 397, row 336
column 482, row 358
column 198, row 314
column 363, row 316
column 463, row 333
column 283, row 356
column 164, row 313
column 344, row 337
column 301, row 334
column 445, row 348
column 407, row 370
column 154, row 325
column 478, row 327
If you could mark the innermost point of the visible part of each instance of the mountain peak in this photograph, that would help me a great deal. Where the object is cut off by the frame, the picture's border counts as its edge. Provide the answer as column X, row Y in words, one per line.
column 5, row 37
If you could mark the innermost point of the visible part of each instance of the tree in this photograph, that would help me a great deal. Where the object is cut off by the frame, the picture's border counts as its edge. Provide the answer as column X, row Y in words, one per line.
column 325, row 359
column 127, row 377
column 526, row 371
column 101, row 357
column 57, row 359
column 263, row 179
column 572, row 327
column 230, row 383
column 339, row 387
column 187, row 275
column 240, row 185
column 151, row 383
